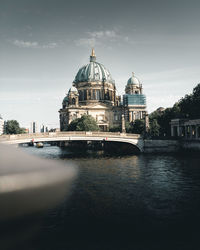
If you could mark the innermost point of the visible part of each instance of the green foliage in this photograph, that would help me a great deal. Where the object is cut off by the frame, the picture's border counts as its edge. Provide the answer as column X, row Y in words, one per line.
column 23, row 131
column 136, row 127
column 128, row 127
column 163, row 120
column 154, row 128
column 187, row 107
column 85, row 123
column 12, row 127
column 115, row 129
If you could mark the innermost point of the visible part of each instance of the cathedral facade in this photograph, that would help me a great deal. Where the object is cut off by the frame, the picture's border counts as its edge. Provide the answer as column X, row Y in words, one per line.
column 93, row 92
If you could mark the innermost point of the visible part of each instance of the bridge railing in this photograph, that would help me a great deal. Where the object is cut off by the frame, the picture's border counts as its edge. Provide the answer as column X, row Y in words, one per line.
column 67, row 133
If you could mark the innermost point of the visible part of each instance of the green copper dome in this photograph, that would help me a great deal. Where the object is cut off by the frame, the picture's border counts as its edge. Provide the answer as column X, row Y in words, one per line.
column 65, row 100
column 93, row 72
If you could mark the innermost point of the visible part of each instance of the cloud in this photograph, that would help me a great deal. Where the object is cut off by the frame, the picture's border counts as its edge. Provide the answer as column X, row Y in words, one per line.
column 97, row 37
column 27, row 44
column 91, row 42
column 34, row 45
column 94, row 38
column 103, row 34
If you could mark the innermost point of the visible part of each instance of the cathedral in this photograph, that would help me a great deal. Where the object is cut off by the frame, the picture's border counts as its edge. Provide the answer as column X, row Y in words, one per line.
column 93, row 92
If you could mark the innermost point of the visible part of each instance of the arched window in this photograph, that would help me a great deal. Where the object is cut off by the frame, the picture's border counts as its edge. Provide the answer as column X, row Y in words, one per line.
column 73, row 101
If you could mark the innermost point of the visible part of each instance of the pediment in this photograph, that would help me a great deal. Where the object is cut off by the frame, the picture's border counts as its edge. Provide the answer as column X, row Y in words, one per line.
column 98, row 106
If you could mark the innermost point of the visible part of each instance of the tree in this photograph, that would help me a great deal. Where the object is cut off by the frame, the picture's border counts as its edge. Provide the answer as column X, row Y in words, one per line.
column 128, row 126
column 163, row 119
column 136, row 127
column 115, row 129
column 23, row 131
column 154, row 128
column 186, row 107
column 189, row 105
column 85, row 123
column 12, row 127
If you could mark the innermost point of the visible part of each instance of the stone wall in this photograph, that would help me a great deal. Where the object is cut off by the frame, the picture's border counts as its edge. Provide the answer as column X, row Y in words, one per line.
column 167, row 146
column 161, row 146
column 190, row 145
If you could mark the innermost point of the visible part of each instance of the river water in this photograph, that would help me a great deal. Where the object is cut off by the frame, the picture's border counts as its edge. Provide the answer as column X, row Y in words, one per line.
column 140, row 202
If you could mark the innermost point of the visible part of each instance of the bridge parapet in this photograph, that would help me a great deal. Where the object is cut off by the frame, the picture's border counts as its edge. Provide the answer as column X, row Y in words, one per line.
column 67, row 133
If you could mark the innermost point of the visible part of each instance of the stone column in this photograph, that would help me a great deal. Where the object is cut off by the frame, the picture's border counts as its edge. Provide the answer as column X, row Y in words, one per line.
column 172, row 130
column 123, row 124
column 185, row 127
column 130, row 117
column 146, row 122
column 103, row 91
column 190, row 126
column 113, row 96
column 133, row 116
column 196, row 132
column 178, row 130
column 87, row 95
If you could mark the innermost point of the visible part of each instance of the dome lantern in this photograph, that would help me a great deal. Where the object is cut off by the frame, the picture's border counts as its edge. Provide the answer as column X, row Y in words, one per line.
column 93, row 56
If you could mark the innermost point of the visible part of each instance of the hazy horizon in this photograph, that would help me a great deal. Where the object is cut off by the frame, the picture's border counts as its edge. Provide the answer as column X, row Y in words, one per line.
column 44, row 43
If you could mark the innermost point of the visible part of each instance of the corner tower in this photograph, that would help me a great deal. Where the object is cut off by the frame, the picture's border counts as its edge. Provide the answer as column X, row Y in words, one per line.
column 134, row 101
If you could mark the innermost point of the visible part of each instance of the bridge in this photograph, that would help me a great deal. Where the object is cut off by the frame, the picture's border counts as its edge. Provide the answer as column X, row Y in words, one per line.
column 134, row 139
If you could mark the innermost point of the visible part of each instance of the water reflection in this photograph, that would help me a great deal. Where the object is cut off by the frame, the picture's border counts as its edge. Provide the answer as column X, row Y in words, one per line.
column 29, row 186
column 125, row 202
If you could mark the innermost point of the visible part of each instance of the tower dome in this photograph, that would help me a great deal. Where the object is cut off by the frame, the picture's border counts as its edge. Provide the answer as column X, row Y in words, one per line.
column 133, row 86
column 133, row 80
column 65, row 101
column 93, row 72
column 73, row 89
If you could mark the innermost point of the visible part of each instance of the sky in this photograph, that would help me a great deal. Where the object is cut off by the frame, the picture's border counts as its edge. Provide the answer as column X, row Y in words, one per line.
column 43, row 43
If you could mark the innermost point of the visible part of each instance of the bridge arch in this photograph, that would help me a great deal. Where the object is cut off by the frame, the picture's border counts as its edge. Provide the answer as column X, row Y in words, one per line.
column 133, row 139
